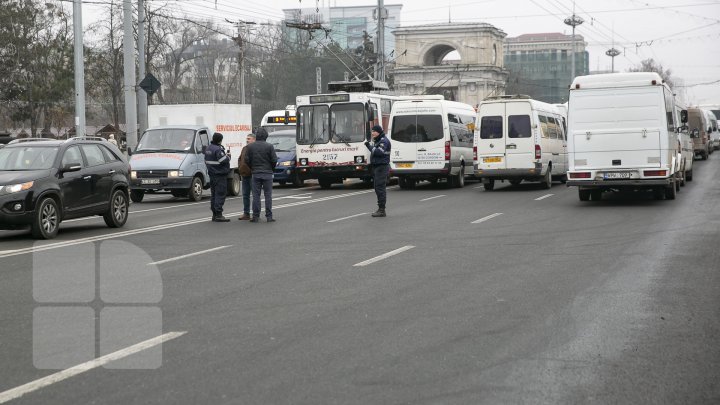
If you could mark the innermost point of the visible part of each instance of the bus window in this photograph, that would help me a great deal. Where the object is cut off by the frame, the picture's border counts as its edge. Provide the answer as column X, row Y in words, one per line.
column 347, row 123
column 312, row 125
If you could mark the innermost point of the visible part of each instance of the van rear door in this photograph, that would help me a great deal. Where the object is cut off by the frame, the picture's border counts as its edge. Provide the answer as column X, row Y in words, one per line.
column 491, row 140
column 616, row 128
column 418, row 136
column 519, row 140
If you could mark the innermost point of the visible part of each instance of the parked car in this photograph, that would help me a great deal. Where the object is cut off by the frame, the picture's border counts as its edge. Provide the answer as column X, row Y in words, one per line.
column 285, row 172
column 44, row 182
column 697, row 119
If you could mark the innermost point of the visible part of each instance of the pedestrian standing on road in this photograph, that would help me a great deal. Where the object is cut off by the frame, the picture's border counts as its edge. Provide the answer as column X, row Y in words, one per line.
column 262, row 159
column 246, row 174
column 111, row 139
column 218, row 166
column 380, row 161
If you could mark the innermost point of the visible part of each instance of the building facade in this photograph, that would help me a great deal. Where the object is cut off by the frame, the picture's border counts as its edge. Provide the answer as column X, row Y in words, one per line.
column 347, row 24
column 540, row 65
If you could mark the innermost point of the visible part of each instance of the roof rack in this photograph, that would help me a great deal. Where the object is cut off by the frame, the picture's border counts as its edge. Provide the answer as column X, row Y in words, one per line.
column 21, row 140
column 87, row 138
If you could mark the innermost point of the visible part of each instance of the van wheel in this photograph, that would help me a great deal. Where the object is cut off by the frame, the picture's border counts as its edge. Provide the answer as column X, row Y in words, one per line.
column 325, row 183
column 117, row 213
column 547, row 179
column 406, row 183
column 596, row 195
column 489, row 185
column 297, row 181
column 196, row 189
column 47, row 220
column 234, row 184
column 137, row 196
column 670, row 192
column 584, row 195
column 460, row 179
column 678, row 180
column 688, row 175
column 515, row 182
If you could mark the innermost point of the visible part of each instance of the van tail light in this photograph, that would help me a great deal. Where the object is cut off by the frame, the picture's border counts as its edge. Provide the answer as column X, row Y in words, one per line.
column 538, row 152
column 655, row 173
column 579, row 175
column 447, row 150
column 474, row 152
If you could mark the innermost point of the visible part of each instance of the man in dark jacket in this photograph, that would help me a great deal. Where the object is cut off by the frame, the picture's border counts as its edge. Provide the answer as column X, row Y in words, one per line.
column 380, row 161
column 262, row 159
column 246, row 174
column 218, row 166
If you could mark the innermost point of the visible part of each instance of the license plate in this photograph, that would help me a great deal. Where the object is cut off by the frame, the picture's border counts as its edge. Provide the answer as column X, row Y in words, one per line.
column 495, row 159
column 150, row 181
column 618, row 175
column 404, row 165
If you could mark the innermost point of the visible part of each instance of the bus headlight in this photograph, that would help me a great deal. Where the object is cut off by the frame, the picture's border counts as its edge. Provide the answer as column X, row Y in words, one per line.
column 303, row 162
column 359, row 159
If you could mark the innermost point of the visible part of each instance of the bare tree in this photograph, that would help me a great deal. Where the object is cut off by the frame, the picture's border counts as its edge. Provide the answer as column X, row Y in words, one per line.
column 650, row 65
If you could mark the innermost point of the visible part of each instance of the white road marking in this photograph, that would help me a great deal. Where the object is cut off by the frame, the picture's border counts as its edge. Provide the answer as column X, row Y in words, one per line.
column 17, row 392
column 432, row 198
column 483, row 219
column 351, row 216
column 383, row 256
column 162, row 227
column 296, row 197
column 544, row 197
column 172, row 259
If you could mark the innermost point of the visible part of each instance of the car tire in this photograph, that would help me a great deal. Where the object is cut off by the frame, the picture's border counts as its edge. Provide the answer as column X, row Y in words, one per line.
column 489, row 185
column 137, row 196
column 195, row 190
column 596, row 195
column 584, row 195
column 46, row 222
column 234, row 185
column 297, row 181
column 117, row 213
column 678, row 181
column 670, row 191
column 547, row 179
column 688, row 175
column 460, row 179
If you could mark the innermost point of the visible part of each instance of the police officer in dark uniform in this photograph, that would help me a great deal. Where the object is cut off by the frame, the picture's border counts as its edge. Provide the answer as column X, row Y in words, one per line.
column 218, row 166
column 380, row 161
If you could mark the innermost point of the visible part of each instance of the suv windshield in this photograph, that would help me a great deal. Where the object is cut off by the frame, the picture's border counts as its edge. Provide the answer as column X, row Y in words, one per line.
column 27, row 157
column 166, row 140
column 282, row 143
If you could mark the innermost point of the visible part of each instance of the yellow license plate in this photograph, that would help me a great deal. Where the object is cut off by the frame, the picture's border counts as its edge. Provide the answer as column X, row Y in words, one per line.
column 496, row 159
column 404, row 165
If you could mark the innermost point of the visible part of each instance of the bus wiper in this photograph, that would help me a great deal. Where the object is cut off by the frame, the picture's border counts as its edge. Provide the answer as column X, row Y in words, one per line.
column 335, row 135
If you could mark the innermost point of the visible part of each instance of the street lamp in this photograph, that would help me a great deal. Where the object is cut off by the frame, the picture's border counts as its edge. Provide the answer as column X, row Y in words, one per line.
column 573, row 21
column 612, row 52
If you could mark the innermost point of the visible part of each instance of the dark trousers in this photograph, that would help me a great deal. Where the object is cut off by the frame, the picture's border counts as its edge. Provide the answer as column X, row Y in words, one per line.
column 246, row 191
column 260, row 182
column 218, row 191
column 380, row 177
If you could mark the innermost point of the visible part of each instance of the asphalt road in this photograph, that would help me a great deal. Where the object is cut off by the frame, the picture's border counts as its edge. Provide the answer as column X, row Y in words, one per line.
column 520, row 295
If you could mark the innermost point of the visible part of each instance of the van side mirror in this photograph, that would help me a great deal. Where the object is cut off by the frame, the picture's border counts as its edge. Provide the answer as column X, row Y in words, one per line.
column 683, row 116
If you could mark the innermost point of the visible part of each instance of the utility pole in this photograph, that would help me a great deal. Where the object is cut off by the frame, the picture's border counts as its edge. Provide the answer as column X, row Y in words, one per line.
column 242, row 27
column 129, row 70
column 573, row 21
column 381, row 15
column 141, row 94
column 79, row 66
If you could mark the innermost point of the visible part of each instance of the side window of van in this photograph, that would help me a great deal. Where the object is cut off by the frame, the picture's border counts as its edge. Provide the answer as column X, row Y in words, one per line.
column 559, row 128
column 519, row 126
column 467, row 130
column 491, row 127
column 544, row 126
column 669, row 111
column 203, row 144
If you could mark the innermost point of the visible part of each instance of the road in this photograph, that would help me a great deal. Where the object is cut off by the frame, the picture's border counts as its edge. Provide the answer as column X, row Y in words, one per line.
column 520, row 295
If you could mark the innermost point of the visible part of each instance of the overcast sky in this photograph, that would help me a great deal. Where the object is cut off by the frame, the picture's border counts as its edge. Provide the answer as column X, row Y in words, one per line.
column 682, row 35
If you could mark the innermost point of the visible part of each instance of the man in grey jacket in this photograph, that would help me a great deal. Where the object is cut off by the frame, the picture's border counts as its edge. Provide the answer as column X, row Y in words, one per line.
column 261, row 158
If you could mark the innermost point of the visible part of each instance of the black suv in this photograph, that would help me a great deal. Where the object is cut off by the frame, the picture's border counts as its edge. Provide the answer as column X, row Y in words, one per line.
column 43, row 182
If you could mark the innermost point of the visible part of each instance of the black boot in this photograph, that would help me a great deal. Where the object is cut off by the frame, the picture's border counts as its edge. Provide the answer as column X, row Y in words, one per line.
column 379, row 213
column 220, row 218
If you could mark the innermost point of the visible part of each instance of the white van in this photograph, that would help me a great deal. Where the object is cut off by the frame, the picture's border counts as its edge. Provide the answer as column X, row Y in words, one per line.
column 518, row 139
column 623, row 135
column 712, row 131
column 431, row 140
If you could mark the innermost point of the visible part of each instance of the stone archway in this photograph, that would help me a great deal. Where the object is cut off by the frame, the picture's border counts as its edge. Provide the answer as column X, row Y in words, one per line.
column 422, row 70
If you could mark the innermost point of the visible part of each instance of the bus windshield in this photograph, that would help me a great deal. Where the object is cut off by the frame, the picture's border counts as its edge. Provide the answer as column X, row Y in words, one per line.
column 347, row 123
column 312, row 126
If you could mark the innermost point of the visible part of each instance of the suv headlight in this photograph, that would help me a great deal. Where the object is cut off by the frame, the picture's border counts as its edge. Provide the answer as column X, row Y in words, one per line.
column 175, row 173
column 14, row 188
